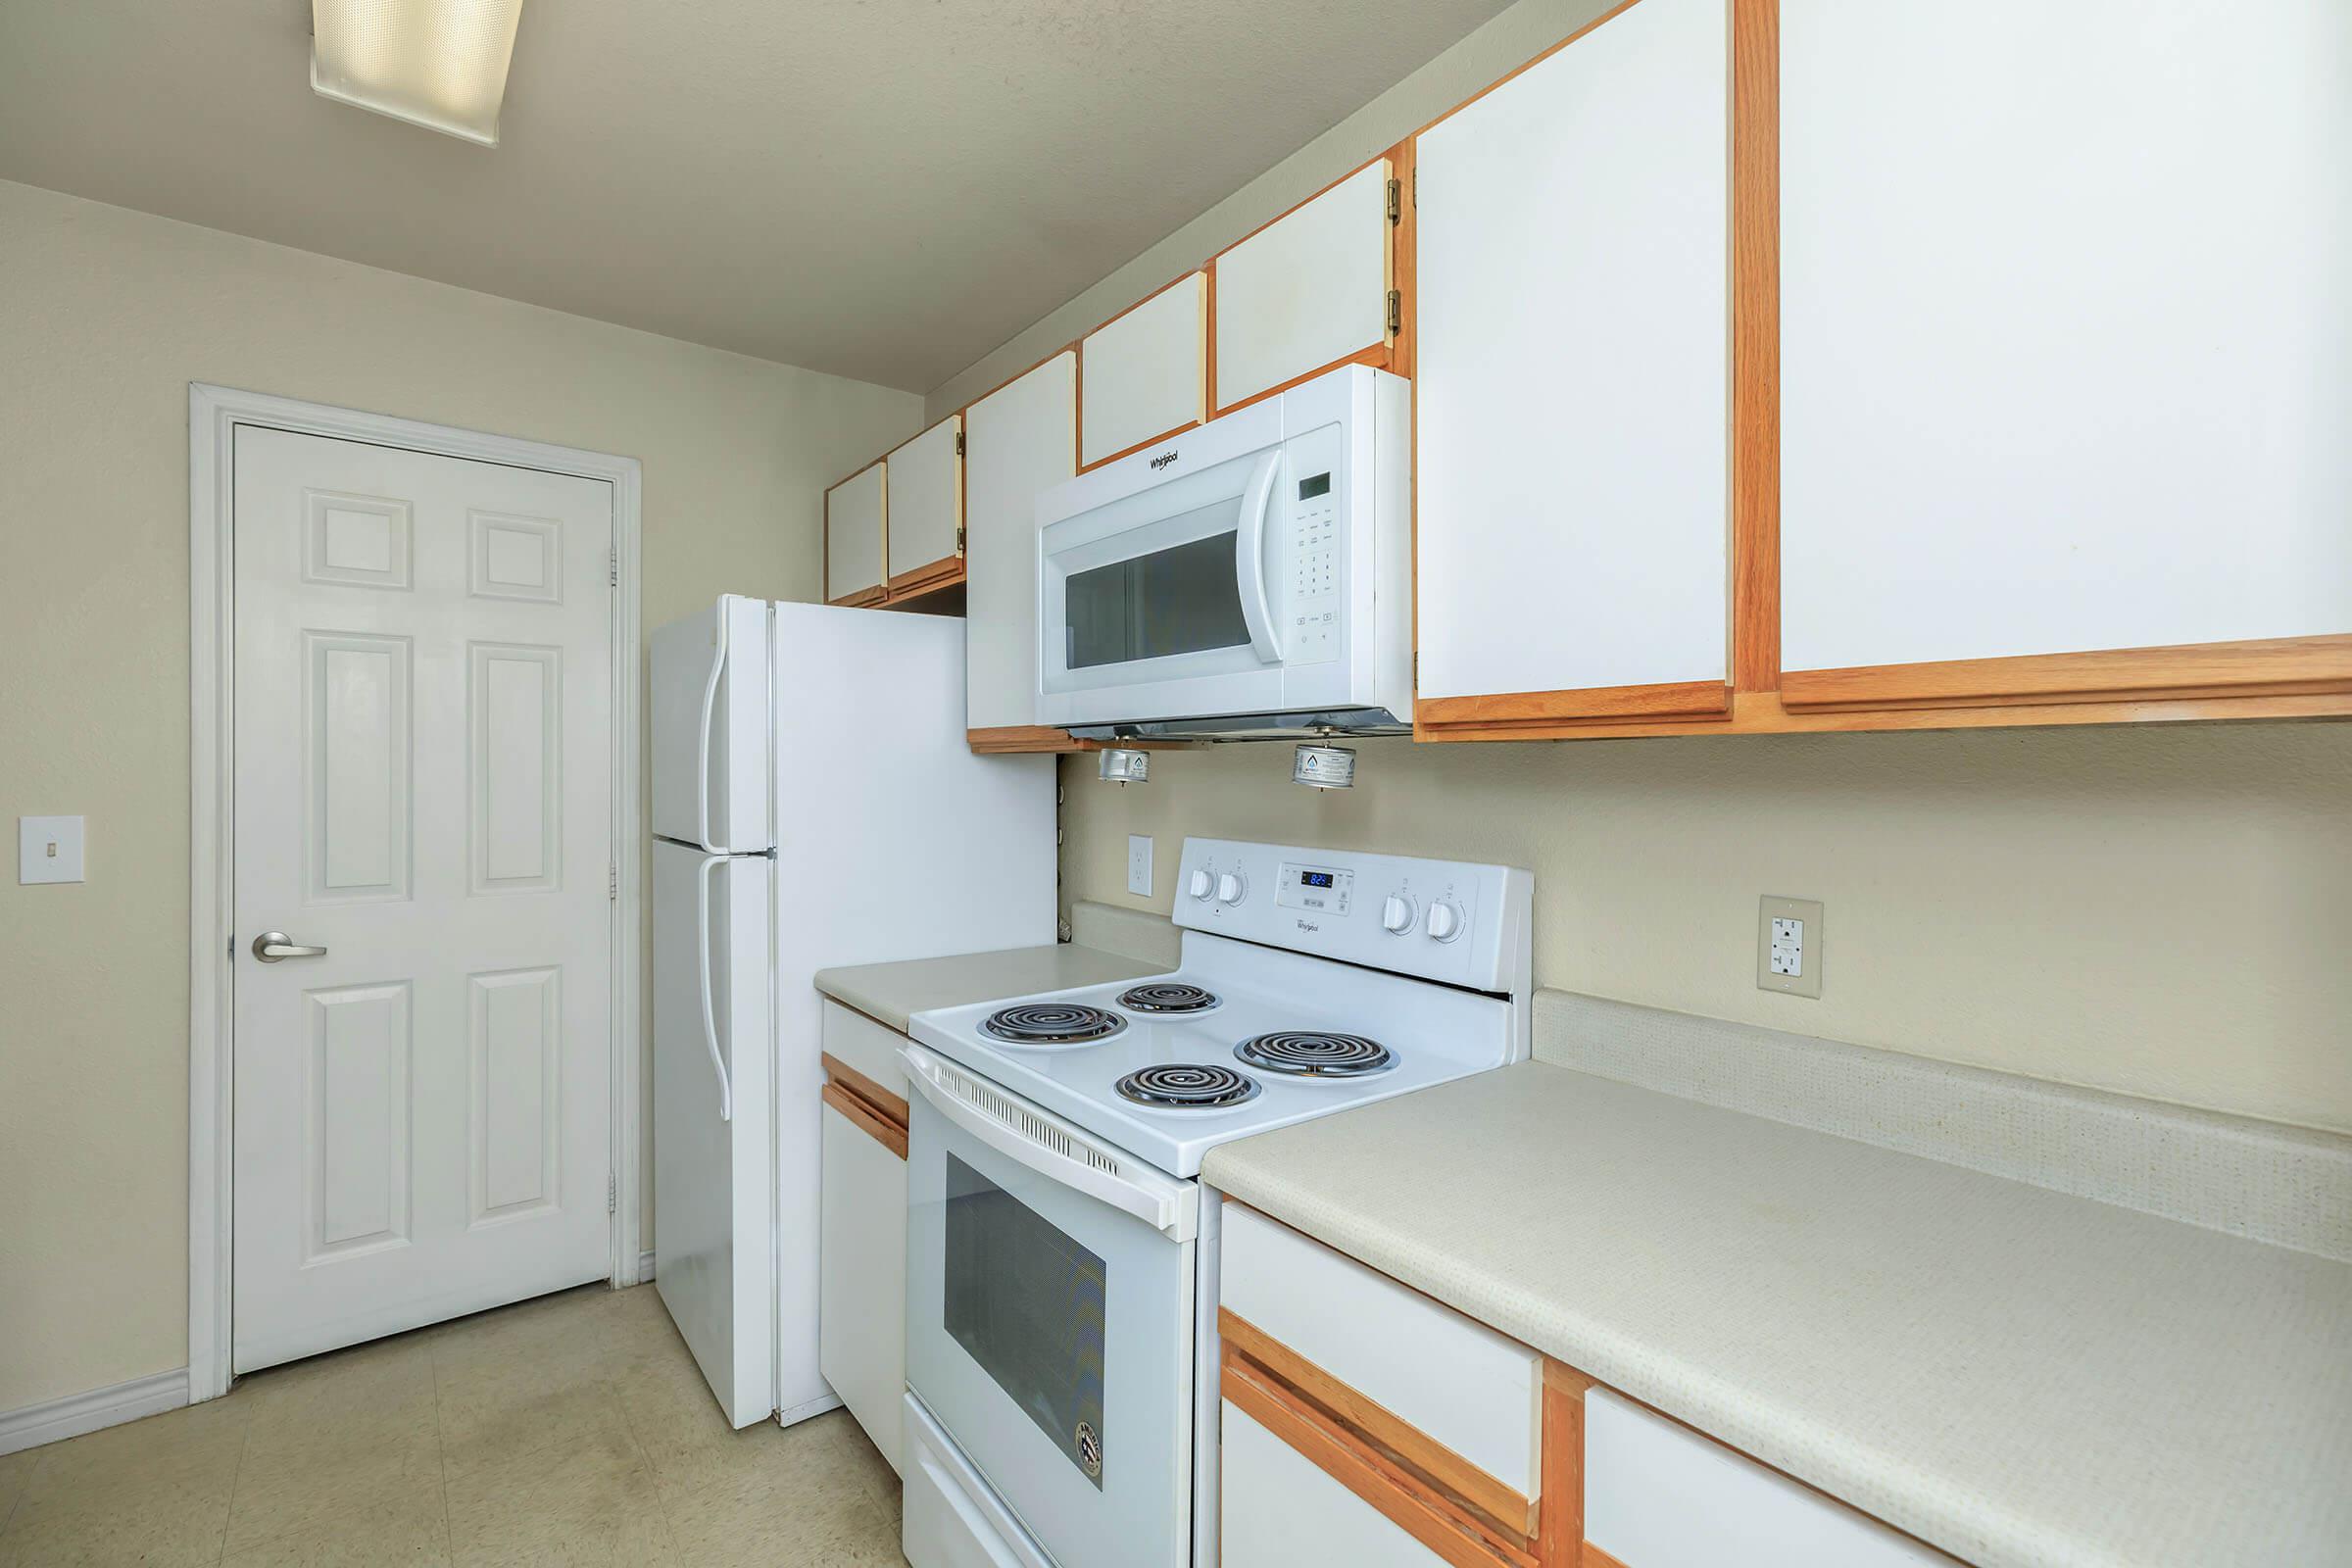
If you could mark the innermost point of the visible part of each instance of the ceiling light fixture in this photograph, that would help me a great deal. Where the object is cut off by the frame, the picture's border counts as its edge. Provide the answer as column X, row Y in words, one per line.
column 439, row 64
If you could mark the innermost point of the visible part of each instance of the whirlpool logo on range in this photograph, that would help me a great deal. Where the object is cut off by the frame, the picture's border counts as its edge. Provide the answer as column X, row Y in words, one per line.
column 1165, row 458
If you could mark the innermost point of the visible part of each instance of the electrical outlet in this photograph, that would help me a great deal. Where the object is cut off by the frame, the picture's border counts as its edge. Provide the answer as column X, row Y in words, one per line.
column 1788, row 946
column 1139, row 864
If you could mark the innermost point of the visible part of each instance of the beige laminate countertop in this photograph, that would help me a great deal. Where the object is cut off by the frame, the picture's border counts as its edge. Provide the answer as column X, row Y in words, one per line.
column 2015, row 1375
column 892, row 993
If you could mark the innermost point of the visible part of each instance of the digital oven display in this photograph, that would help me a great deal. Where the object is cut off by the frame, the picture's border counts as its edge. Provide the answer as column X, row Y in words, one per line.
column 1315, row 879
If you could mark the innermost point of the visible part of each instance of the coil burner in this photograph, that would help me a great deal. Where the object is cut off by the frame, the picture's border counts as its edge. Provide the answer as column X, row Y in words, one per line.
column 1315, row 1054
column 1187, row 1086
column 1167, row 997
column 1052, row 1023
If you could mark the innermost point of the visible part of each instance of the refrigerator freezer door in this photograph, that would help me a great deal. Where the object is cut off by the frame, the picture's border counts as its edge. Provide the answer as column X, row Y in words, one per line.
column 713, row 1238
column 710, row 734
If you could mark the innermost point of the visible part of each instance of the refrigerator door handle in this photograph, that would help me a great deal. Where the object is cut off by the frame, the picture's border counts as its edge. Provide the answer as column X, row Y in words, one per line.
column 701, row 764
column 701, row 965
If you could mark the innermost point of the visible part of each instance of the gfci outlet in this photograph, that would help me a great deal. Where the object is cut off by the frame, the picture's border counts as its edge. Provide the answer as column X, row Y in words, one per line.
column 1788, row 946
column 1139, row 864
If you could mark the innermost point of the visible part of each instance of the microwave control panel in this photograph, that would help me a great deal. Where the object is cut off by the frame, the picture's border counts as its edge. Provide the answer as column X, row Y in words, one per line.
column 1313, row 594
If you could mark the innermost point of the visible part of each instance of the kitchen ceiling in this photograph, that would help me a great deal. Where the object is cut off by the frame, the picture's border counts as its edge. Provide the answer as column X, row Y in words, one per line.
column 880, row 189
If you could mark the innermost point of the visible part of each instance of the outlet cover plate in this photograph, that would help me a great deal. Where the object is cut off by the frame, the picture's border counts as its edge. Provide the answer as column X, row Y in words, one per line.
column 1809, row 945
column 1139, row 864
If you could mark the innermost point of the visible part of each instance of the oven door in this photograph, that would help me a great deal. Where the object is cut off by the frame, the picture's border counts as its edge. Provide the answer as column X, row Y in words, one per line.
column 1167, row 602
column 1050, row 1310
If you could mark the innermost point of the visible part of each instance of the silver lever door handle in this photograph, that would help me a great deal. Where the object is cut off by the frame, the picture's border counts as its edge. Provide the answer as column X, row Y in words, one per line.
column 272, row 946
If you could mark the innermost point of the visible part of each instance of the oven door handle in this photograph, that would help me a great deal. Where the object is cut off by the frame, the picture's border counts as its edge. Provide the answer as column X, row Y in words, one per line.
column 1166, row 1205
column 1249, row 559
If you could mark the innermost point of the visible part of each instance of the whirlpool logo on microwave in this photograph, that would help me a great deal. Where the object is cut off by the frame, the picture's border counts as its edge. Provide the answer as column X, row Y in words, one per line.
column 1165, row 458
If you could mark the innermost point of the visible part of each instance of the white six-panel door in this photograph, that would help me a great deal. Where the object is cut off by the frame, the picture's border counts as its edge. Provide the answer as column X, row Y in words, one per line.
column 424, row 788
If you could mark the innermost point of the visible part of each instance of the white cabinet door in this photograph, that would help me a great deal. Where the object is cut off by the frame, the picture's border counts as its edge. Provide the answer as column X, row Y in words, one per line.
column 1574, row 377
column 861, row 1274
column 1018, row 440
column 856, row 514
column 1146, row 373
column 1659, row 1496
column 1308, row 290
column 2066, row 336
column 926, row 504
column 1276, row 1509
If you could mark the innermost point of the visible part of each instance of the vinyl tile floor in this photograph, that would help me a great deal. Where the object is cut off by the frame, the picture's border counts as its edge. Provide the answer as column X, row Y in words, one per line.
column 570, row 1432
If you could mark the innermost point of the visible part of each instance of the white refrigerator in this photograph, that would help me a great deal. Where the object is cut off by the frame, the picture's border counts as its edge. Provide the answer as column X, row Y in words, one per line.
column 813, row 803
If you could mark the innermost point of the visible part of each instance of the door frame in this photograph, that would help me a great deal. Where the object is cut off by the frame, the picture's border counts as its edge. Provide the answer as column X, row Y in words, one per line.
column 214, row 415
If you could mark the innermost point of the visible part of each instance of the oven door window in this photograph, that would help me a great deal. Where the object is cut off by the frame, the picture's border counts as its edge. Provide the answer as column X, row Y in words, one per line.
column 1185, row 599
column 1026, row 1303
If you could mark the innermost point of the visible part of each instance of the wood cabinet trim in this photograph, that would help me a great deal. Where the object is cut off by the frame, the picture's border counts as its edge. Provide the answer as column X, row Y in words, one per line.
column 890, row 1107
column 1755, row 434
column 1560, row 1531
column 1593, row 1558
column 926, row 578
column 863, row 598
column 1152, row 441
column 1435, row 717
column 1009, row 738
column 2272, row 667
column 1376, row 1427
column 867, row 1120
column 1430, row 1518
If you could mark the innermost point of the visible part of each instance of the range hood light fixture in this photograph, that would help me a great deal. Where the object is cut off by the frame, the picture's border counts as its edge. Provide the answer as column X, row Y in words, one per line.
column 1324, row 767
column 1122, row 766
column 439, row 64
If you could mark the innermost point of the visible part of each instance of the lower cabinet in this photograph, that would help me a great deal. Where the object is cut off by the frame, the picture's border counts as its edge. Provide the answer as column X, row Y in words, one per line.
column 1277, row 1510
column 1364, row 1423
column 861, row 1258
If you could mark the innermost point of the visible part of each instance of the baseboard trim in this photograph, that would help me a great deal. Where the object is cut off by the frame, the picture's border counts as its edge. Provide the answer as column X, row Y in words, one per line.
column 51, row 1420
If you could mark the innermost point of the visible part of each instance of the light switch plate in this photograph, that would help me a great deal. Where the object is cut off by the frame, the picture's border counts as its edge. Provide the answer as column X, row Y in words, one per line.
column 48, row 848
column 1788, row 946
column 1139, row 864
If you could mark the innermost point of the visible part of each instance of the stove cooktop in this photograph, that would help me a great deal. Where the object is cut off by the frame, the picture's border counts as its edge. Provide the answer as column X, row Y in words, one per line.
column 1284, row 1036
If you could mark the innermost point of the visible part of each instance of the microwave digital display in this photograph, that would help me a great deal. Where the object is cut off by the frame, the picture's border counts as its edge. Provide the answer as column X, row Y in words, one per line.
column 1314, row 485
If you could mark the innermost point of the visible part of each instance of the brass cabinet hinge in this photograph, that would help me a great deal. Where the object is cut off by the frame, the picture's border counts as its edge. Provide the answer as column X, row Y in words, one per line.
column 1395, row 311
column 959, row 538
column 1396, row 202
column 959, row 443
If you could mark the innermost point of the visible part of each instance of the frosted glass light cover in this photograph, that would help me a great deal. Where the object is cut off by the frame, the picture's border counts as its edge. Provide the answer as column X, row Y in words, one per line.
column 440, row 64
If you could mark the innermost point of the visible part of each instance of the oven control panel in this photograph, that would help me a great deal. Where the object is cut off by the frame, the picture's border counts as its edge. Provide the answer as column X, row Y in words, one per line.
column 1460, row 922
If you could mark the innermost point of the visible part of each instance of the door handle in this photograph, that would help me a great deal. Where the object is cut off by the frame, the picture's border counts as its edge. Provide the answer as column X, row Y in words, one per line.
column 272, row 945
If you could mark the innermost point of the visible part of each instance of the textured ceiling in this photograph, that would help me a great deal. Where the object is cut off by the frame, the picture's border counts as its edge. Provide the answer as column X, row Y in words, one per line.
column 880, row 189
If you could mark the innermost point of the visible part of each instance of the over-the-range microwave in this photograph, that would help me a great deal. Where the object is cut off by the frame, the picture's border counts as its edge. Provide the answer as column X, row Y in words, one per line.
column 1252, row 576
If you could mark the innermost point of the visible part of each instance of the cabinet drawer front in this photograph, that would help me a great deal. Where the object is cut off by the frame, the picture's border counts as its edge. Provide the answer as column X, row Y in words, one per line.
column 1659, row 1496
column 1278, row 1510
column 868, row 1048
column 1459, row 1383
column 861, row 1275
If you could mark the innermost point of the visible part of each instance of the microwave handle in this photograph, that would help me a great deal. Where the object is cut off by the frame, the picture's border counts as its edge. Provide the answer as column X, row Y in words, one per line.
column 1249, row 559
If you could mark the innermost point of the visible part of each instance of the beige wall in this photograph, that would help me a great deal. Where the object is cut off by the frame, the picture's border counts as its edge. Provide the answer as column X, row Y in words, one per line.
column 106, row 316
column 2165, row 910
column 2162, row 910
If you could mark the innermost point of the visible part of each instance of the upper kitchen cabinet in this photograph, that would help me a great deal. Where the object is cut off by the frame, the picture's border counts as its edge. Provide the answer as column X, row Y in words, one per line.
column 1574, row 385
column 2067, row 354
column 1314, row 288
column 1019, row 440
column 857, row 515
column 1143, row 374
column 925, row 536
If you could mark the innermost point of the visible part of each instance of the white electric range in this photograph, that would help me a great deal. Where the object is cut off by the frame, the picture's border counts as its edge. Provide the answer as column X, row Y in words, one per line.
column 1061, row 1252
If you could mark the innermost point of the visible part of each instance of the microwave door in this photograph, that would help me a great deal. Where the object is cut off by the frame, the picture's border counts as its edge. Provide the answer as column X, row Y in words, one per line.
column 1249, row 559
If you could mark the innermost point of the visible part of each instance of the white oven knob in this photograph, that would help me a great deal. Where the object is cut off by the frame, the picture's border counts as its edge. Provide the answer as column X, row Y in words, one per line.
column 1445, row 920
column 1397, row 915
column 1231, row 889
column 1201, row 885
